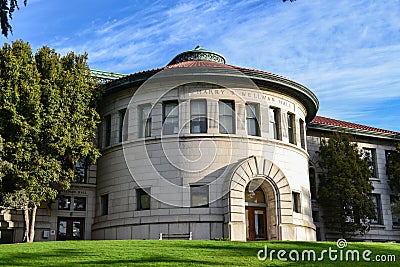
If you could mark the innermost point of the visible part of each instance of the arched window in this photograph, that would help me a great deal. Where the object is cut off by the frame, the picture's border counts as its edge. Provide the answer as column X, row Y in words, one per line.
column 255, row 198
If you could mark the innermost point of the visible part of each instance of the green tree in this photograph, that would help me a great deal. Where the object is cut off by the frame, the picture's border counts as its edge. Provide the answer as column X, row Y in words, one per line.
column 393, row 168
column 344, row 190
column 47, row 119
column 7, row 8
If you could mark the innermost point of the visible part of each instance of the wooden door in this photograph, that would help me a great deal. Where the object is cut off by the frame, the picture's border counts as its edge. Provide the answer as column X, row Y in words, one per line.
column 70, row 228
column 256, row 221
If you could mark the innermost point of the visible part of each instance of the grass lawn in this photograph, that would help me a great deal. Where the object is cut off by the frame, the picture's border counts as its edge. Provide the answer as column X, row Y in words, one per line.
column 181, row 253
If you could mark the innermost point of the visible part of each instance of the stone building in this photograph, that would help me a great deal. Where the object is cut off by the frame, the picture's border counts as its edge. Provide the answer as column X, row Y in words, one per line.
column 377, row 143
column 206, row 150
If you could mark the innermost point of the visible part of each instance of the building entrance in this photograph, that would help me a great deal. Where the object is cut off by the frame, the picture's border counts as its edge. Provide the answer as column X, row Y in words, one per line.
column 70, row 228
column 256, row 215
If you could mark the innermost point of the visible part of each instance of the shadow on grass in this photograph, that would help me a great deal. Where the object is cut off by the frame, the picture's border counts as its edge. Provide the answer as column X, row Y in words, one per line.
column 71, row 257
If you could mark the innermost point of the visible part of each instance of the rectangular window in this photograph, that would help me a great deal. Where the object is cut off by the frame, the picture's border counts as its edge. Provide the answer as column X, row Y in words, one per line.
column 226, row 116
column 79, row 203
column 275, row 122
column 302, row 135
column 370, row 153
column 107, row 123
column 81, row 170
column 142, row 199
column 199, row 196
column 145, row 121
column 121, row 113
column 170, row 117
column 198, row 116
column 252, row 115
column 378, row 209
column 291, row 128
column 394, row 205
column 388, row 158
column 313, row 183
column 104, row 204
column 296, row 202
column 64, row 203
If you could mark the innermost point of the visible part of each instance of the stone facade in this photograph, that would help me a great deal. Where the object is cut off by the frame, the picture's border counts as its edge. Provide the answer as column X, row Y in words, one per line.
column 386, row 227
column 201, row 147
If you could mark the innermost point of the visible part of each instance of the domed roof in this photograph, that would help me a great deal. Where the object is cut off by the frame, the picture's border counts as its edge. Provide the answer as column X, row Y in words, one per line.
column 200, row 60
column 197, row 53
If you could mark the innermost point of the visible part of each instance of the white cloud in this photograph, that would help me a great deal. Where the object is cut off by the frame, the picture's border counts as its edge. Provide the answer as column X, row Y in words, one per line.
column 345, row 51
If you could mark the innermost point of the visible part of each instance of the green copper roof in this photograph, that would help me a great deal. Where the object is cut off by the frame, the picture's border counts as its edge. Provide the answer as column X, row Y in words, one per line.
column 105, row 76
column 198, row 53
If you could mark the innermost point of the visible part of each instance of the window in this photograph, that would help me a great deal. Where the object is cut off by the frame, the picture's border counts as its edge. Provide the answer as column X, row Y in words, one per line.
column 170, row 117
column 394, row 204
column 145, row 121
column 81, row 170
column 121, row 113
column 254, row 197
column 313, row 185
column 252, row 112
column 378, row 209
column 199, row 196
column 389, row 158
column 275, row 122
column 64, row 203
column 198, row 116
column 226, row 116
column 370, row 154
column 104, row 204
column 302, row 135
column 142, row 199
column 296, row 202
column 79, row 203
column 107, row 122
column 291, row 128
column 315, row 216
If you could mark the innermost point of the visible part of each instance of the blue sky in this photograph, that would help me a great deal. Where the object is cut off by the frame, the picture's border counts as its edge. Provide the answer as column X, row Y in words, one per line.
column 346, row 52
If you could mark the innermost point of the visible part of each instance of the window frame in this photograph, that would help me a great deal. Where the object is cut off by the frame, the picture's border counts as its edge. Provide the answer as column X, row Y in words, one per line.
column 302, row 134
column 372, row 161
column 394, row 199
column 167, row 117
column 193, row 187
column 145, row 123
column 255, row 118
column 296, row 197
column 378, row 210
column 291, row 121
column 276, row 123
column 200, row 118
column 107, row 128
column 140, row 192
column 68, row 202
column 313, row 183
column 104, row 203
column 84, row 205
column 121, row 114
column 83, row 179
column 231, row 117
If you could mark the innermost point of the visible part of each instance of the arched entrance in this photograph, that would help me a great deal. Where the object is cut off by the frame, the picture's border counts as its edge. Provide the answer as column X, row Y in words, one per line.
column 249, row 175
column 256, row 214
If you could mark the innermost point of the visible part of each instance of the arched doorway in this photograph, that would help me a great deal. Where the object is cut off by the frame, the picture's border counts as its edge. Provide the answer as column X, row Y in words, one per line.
column 249, row 175
column 256, row 214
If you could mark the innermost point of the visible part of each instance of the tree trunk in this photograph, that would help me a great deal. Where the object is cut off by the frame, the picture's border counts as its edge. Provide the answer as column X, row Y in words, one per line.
column 32, row 225
column 26, row 218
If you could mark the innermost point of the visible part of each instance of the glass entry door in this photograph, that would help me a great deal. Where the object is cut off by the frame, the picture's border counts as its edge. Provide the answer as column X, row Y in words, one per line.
column 256, row 222
column 70, row 228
